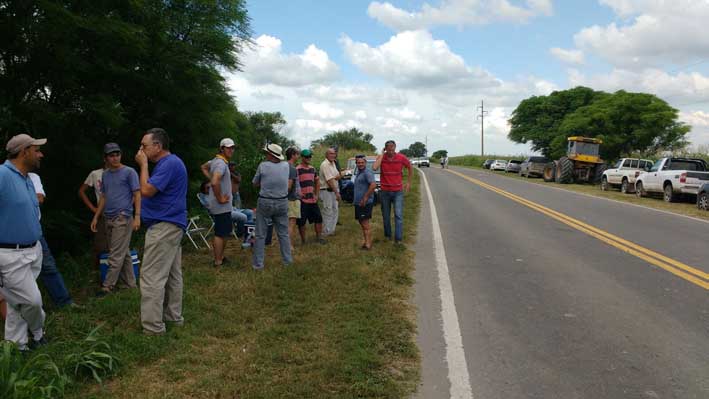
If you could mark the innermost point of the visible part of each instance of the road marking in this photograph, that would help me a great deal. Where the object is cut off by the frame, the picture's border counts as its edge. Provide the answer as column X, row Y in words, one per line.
column 675, row 267
column 455, row 353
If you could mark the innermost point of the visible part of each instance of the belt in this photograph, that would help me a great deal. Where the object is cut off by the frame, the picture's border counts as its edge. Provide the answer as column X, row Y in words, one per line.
column 328, row 189
column 18, row 246
column 271, row 198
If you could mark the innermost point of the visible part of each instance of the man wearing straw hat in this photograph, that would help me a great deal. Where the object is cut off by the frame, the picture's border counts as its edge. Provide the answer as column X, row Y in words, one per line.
column 274, row 179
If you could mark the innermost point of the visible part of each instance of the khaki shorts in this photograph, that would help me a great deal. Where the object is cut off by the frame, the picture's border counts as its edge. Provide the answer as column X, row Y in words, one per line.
column 294, row 209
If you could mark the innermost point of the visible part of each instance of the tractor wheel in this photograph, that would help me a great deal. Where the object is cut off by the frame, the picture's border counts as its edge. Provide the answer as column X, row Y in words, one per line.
column 598, row 172
column 564, row 171
column 604, row 184
column 550, row 172
column 669, row 194
column 703, row 201
column 625, row 186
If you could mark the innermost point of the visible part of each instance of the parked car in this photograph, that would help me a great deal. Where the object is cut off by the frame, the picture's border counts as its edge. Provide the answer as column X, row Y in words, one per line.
column 350, row 173
column 423, row 161
column 487, row 163
column 624, row 173
column 498, row 165
column 533, row 166
column 673, row 177
column 513, row 166
column 703, row 197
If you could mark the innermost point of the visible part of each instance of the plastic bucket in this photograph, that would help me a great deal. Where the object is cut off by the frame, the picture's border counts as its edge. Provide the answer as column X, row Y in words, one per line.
column 103, row 264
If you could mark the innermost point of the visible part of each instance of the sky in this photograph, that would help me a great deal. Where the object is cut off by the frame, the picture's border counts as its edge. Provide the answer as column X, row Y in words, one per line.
column 408, row 70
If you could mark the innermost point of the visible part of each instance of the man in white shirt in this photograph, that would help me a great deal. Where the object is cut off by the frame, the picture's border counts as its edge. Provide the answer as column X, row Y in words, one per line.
column 329, row 192
column 93, row 180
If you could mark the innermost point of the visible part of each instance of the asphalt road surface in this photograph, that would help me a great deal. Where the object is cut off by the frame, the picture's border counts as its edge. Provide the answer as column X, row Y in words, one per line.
column 558, row 295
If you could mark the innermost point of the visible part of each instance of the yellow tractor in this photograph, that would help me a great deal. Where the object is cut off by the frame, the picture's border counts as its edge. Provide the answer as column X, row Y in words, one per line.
column 582, row 164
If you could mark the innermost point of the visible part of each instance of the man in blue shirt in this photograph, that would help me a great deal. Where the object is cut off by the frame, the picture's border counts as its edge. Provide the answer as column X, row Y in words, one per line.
column 364, row 185
column 164, row 213
column 20, row 251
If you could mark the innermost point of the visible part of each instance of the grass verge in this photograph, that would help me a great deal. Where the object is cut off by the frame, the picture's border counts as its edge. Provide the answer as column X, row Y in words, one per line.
column 338, row 323
column 686, row 207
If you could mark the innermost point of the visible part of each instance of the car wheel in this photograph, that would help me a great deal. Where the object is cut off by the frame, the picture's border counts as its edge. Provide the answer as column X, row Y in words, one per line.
column 669, row 195
column 639, row 192
column 604, row 184
column 624, row 186
column 703, row 201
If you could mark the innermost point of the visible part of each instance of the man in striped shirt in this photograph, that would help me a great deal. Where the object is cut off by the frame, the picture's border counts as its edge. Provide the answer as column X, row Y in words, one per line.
column 309, row 190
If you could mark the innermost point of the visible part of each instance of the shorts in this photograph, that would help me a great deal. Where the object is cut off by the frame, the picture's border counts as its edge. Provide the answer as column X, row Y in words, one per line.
column 294, row 209
column 222, row 224
column 363, row 212
column 309, row 213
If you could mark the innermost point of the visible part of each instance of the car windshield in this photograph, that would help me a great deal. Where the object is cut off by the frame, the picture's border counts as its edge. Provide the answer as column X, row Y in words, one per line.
column 686, row 165
column 516, row 162
column 538, row 159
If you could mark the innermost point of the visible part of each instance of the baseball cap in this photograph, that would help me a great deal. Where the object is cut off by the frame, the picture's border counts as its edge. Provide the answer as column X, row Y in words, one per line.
column 227, row 142
column 306, row 153
column 22, row 141
column 111, row 147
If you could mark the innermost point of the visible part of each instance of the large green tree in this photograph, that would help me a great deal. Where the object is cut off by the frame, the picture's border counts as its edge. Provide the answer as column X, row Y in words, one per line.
column 83, row 73
column 626, row 122
column 352, row 139
column 417, row 149
column 440, row 154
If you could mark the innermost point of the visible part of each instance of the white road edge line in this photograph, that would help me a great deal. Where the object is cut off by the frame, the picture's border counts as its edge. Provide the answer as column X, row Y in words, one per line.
column 455, row 353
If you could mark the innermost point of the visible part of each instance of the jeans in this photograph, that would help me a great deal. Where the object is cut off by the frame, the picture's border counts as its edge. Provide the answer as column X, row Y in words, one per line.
column 397, row 197
column 241, row 217
column 52, row 279
column 277, row 211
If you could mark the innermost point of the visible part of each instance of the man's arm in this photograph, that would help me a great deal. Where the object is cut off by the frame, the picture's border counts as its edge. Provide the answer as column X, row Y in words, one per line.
column 217, row 188
column 146, row 189
column 378, row 161
column 411, row 173
column 97, row 214
column 370, row 190
column 40, row 198
column 317, row 187
column 85, row 199
column 205, row 169
column 136, row 210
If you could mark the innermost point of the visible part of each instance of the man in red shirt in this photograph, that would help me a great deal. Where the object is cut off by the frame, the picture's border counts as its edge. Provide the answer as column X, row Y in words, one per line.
column 392, row 164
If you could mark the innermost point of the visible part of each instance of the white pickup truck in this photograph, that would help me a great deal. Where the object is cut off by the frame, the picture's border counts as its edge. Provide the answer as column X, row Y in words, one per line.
column 623, row 174
column 673, row 177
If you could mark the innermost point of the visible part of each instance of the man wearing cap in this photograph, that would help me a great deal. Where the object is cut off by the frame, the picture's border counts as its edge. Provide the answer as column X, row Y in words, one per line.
column 219, row 199
column 309, row 190
column 20, row 250
column 120, row 206
column 274, row 179
column 164, row 213
column 329, row 192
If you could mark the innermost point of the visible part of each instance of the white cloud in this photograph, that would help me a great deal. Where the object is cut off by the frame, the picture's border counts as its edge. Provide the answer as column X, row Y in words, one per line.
column 458, row 13
column 396, row 127
column 355, row 94
column 695, row 118
column 320, row 126
column 657, row 33
column 361, row 114
column 265, row 63
column 322, row 110
column 568, row 56
column 404, row 114
column 413, row 59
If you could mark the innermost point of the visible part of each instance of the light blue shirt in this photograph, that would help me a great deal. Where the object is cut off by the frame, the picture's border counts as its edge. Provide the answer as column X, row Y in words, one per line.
column 19, row 207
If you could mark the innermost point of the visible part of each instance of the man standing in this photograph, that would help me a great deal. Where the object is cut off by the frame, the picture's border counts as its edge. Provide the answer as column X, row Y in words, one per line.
column 329, row 192
column 52, row 279
column 309, row 190
column 293, row 195
column 120, row 207
column 164, row 213
column 93, row 180
column 20, row 250
column 220, row 197
column 392, row 164
column 274, row 180
column 364, row 185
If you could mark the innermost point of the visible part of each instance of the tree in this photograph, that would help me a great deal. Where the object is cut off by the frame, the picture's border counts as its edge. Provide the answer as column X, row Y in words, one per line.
column 417, row 149
column 352, row 139
column 626, row 122
column 439, row 154
column 406, row 152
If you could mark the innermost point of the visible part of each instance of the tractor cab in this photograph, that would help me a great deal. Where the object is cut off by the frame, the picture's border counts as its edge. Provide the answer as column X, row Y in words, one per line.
column 584, row 149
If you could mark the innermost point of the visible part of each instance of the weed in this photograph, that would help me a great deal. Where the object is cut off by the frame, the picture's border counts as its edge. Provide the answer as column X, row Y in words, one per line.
column 22, row 376
column 93, row 359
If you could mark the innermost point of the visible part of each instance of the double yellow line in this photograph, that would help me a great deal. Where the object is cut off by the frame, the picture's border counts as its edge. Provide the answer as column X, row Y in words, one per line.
column 677, row 268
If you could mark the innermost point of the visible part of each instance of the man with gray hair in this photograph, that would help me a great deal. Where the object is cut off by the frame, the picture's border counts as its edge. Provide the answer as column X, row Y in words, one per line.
column 329, row 192
column 20, row 250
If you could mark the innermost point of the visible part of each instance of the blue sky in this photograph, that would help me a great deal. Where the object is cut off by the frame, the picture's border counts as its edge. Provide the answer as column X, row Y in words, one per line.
column 411, row 72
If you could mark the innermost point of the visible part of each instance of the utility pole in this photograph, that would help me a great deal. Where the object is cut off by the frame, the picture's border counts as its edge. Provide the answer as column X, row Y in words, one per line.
column 425, row 153
column 481, row 116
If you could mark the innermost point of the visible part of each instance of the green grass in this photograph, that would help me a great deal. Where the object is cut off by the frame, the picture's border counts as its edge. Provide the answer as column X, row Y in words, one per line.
column 686, row 207
column 338, row 323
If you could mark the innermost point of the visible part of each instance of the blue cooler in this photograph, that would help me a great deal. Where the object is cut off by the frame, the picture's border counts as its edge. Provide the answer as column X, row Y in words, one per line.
column 103, row 264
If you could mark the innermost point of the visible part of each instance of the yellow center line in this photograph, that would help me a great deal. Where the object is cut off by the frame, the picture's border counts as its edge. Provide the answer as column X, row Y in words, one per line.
column 675, row 267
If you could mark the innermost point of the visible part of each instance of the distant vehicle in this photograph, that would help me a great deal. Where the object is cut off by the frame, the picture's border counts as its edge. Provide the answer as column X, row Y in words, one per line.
column 351, row 172
column 487, row 163
column 624, row 173
column 498, row 164
column 673, row 177
column 533, row 166
column 703, row 197
column 424, row 162
column 513, row 166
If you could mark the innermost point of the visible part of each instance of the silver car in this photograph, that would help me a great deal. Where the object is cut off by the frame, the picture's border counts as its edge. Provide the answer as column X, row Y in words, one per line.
column 498, row 165
column 513, row 166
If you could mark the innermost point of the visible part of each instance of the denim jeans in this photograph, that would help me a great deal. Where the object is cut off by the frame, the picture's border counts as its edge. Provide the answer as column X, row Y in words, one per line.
column 397, row 197
column 277, row 212
column 241, row 217
column 52, row 279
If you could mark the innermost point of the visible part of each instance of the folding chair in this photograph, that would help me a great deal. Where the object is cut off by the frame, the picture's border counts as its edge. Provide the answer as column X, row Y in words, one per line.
column 193, row 228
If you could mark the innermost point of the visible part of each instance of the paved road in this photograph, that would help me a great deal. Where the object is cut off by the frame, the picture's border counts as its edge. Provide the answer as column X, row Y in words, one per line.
column 548, row 311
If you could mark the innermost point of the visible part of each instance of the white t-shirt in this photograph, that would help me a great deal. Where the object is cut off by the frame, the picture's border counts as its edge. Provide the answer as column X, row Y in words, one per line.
column 38, row 188
column 93, row 180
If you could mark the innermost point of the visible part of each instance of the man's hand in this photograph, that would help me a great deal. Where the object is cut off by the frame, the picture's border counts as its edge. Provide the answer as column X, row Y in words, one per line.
column 363, row 201
column 140, row 158
column 337, row 195
column 136, row 223
column 407, row 187
column 94, row 222
column 223, row 199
